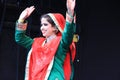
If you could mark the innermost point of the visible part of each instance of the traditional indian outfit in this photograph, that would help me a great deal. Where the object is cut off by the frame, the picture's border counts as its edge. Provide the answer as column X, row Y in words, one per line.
column 52, row 60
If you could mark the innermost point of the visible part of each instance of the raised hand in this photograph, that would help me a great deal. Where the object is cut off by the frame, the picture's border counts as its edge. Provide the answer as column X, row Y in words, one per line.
column 26, row 13
column 70, row 6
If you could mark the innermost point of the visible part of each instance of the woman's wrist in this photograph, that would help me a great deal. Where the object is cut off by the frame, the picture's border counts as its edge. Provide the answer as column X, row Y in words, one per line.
column 21, row 20
column 70, row 12
column 69, row 17
column 21, row 25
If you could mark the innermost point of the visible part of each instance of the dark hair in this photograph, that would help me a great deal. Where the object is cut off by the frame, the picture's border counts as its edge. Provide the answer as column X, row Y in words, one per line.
column 48, row 19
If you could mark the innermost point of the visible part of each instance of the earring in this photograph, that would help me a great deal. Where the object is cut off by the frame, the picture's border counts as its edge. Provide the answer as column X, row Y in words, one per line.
column 56, row 30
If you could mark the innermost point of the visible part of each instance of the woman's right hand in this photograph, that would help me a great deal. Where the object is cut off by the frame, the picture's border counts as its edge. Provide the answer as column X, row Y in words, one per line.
column 26, row 13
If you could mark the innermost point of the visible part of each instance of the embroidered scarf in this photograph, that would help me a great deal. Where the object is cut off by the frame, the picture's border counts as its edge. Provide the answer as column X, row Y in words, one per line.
column 41, row 56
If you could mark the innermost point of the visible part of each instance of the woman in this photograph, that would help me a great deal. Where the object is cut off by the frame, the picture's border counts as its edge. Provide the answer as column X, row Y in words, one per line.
column 50, row 57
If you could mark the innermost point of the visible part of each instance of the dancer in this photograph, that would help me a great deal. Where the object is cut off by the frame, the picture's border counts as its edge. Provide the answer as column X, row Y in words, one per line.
column 51, row 56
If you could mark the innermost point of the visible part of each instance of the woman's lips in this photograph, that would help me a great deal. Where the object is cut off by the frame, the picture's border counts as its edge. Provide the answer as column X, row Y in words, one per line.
column 43, row 31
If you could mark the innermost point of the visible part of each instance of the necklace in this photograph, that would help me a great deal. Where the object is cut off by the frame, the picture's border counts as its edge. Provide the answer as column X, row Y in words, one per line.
column 50, row 38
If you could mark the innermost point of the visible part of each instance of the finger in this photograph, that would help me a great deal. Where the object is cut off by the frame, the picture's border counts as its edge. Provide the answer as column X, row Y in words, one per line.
column 31, row 6
column 30, row 11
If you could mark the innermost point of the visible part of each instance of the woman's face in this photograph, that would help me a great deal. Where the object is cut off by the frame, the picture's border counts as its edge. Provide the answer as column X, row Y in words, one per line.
column 46, row 28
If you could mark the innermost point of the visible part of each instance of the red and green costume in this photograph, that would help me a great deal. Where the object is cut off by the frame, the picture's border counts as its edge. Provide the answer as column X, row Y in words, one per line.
column 51, row 61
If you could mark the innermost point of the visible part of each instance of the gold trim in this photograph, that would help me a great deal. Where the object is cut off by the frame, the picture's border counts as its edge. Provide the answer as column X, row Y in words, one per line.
column 21, row 26
column 56, row 22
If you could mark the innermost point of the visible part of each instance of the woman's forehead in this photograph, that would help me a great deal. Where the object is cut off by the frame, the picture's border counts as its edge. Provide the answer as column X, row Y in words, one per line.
column 44, row 20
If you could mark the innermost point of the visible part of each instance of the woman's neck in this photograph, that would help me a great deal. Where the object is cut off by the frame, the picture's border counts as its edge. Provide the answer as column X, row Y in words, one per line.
column 48, row 39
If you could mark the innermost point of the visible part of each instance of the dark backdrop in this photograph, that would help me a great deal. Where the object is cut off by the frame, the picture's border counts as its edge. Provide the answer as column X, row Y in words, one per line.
column 100, row 40
column 98, row 54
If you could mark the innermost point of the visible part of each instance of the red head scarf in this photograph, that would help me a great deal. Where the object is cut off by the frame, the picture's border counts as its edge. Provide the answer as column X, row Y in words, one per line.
column 59, row 20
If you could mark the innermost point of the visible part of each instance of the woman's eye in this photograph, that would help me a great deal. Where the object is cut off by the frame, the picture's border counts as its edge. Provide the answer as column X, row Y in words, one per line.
column 45, row 24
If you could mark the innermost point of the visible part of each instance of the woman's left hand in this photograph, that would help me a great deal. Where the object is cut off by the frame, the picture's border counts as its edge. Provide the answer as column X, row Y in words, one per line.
column 70, row 6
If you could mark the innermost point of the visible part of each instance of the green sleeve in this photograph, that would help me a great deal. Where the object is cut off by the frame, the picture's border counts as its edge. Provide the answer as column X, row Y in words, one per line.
column 67, row 38
column 23, row 39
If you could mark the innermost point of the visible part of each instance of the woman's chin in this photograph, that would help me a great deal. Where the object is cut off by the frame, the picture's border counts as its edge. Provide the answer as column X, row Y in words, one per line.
column 44, row 35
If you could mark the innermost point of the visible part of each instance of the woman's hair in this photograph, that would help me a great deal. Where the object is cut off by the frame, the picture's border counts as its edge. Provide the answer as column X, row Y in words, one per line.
column 50, row 21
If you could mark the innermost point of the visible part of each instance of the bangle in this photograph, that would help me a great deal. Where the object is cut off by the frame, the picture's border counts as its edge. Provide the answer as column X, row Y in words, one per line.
column 21, row 26
column 69, row 18
column 70, row 14
column 20, row 21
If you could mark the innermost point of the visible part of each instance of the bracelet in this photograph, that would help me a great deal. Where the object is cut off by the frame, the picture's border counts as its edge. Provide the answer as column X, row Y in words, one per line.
column 69, row 18
column 21, row 26
column 70, row 14
column 20, row 21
